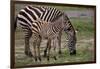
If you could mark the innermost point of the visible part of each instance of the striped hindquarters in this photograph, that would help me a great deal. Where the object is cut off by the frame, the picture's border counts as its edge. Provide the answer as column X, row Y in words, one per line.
column 28, row 14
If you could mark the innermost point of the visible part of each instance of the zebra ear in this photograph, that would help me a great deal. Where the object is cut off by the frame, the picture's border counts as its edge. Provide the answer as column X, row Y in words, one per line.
column 65, row 15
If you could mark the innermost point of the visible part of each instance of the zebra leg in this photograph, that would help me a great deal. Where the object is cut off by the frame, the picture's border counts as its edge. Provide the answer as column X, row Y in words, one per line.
column 27, row 47
column 34, row 51
column 49, row 47
column 54, row 49
column 38, row 48
column 59, row 42
column 45, row 51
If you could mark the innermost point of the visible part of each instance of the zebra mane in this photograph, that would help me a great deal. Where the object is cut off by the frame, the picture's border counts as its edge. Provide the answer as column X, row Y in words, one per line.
column 57, row 18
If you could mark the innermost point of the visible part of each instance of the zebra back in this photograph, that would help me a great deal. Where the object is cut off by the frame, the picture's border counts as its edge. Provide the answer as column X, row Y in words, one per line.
column 50, row 14
column 30, row 13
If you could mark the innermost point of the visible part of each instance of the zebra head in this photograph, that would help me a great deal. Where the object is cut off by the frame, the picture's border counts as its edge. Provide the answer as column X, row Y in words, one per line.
column 68, row 28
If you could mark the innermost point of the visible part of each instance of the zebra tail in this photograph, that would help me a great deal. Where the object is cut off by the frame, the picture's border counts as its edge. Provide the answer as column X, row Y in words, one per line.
column 15, row 23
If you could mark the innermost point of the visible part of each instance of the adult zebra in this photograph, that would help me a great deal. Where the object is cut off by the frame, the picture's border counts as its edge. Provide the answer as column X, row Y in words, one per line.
column 31, row 13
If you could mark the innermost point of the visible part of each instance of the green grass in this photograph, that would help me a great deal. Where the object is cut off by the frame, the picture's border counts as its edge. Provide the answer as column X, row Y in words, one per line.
column 83, row 24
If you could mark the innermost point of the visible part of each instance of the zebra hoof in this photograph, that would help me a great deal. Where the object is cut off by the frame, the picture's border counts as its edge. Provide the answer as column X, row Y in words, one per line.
column 35, row 59
column 59, row 52
column 47, row 58
column 39, row 58
column 55, row 58
column 45, row 54
column 73, row 52
column 28, row 53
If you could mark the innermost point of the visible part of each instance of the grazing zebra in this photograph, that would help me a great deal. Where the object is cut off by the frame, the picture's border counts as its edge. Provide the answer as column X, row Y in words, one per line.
column 29, row 14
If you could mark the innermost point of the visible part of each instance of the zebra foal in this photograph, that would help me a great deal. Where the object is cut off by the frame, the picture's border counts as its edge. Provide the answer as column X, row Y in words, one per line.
column 45, row 30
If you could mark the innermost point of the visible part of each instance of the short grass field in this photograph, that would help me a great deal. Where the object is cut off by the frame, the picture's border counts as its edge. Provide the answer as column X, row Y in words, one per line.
column 85, row 45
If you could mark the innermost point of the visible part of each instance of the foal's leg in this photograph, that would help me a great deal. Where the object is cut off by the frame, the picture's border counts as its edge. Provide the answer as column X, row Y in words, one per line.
column 38, row 48
column 49, row 47
column 34, row 51
column 54, row 49
column 59, row 42
column 45, row 51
